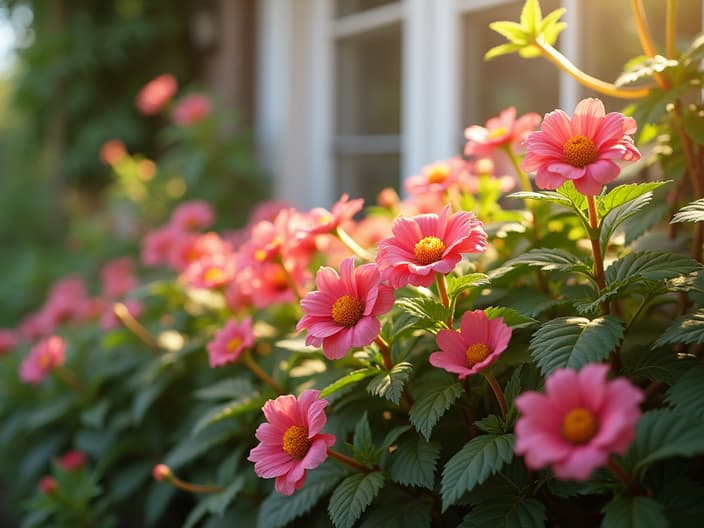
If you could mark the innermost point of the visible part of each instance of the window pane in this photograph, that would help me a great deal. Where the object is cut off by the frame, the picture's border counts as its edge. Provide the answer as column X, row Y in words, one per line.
column 364, row 176
column 531, row 85
column 349, row 7
column 368, row 83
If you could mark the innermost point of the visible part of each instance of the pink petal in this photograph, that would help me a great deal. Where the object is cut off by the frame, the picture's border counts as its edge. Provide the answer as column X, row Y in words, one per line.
column 269, row 435
column 587, row 116
column 337, row 346
column 365, row 331
column 592, row 385
column 474, row 327
column 557, row 126
column 452, row 342
column 602, row 171
column 316, row 455
column 566, row 170
column 561, row 387
column 448, row 361
column 545, row 179
column 384, row 302
column 588, row 186
column 580, row 464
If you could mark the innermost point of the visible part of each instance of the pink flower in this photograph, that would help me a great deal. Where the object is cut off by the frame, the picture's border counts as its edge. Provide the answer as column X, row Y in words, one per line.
column 427, row 244
column 118, row 278
column 210, row 271
column 48, row 485
column 269, row 283
column 499, row 132
column 156, row 94
column 436, row 177
column 581, row 149
column 72, row 460
column 290, row 442
column 342, row 314
column 324, row 221
column 478, row 344
column 230, row 342
column 8, row 341
column 157, row 245
column 113, row 152
column 188, row 248
column 44, row 357
column 192, row 109
column 580, row 420
column 192, row 216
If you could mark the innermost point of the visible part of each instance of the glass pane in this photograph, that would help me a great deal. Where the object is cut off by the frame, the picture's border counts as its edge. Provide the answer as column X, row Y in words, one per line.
column 531, row 85
column 605, row 57
column 349, row 7
column 363, row 176
column 368, row 83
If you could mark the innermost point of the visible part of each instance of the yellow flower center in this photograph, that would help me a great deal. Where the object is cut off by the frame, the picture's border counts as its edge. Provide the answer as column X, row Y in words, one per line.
column 233, row 344
column 438, row 173
column 296, row 441
column 497, row 132
column 476, row 353
column 45, row 361
column 429, row 250
column 324, row 219
column 260, row 255
column 347, row 310
column 579, row 425
column 279, row 279
column 580, row 151
column 213, row 275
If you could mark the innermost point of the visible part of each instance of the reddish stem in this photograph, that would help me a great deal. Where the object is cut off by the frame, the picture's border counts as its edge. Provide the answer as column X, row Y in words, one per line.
column 385, row 353
column 259, row 372
column 596, row 250
column 348, row 461
column 498, row 392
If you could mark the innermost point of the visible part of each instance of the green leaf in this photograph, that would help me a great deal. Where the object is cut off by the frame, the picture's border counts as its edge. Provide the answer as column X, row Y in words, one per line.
column 506, row 512
column 625, row 193
column 634, row 512
column 230, row 388
column 398, row 512
column 574, row 341
column 549, row 260
column 693, row 122
column 692, row 212
column 480, row 458
column 393, row 435
column 277, row 511
column 216, row 503
column 390, row 385
column 456, row 285
column 434, row 398
column 491, row 424
column 650, row 265
column 145, row 398
column 352, row 496
column 655, row 364
column 511, row 317
column 362, row 440
column 645, row 68
column 686, row 329
column 431, row 313
column 619, row 215
column 194, row 446
column 545, row 196
column 569, row 191
column 228, row 410
column 349, row 379
column 414, row 462
column 687, row 395
column 663, row 434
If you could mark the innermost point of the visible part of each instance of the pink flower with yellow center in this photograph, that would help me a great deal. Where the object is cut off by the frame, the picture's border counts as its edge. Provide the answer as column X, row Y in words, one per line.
column 158, row 244
column 291, row 442
column 436, row 177
column 191, row 247
column 342, row 313
column 499, row 132
column 230, row 342
column 192, row 216
column 427, row 244
column 210, row 271
column 324, row 221
column 583, row 148
column 192, row 109
column 478, row 344
column 580, row 420
column 156, row 94
column 44, row 357
column 271, row 284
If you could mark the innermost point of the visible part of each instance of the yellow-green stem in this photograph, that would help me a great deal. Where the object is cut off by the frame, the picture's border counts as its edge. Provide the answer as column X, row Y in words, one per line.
column 596, row 250
column 134, row 326
column 442, row 289
column 194, row 488
column 646, row 40
column 352, row 245
column 259, row 372
column 559, row 60
column 498, row 392
column 670, row 28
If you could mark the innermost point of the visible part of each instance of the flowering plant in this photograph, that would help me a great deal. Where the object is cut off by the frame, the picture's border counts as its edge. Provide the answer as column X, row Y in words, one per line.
column 447, row 360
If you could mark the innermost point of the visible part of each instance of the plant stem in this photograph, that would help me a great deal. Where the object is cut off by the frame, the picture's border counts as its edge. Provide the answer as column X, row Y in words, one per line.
column 385, row 353
column 352, row 245
column 646, row 40
column 634, row 487
column 596, row 250
column 259, row 372
column 527, row 187
column 134, row 326
column 559, row 60
column 194, row 488
column 497, row 392
column 348, row 461
column 670, row 28
column 442, row 289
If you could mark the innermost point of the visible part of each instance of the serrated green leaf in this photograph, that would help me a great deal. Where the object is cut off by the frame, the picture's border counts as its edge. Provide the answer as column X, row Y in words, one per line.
column 686, row 329
column 399, row 512
column 480, row 458
column 352, row 496
column 502, row 49
column 653, row 107
column 427, row 310
column 634, row 512
column 277, row 511
column 432, row 401
column 545, row 196
column 617, row 216
column 655, row 364
column 650, row 265
column 506, row 512
column 215, row 504
column 225, row 389
column 645, row 68
column 393, row 435
column 549, row 260
column 491, row 424
column 663, row 434
column 513, row 32
column 625, row 193
column 574, row 341
column 228, row 410
column 687, row 395
column 456, row 285
column 414, row 462
column 692, row 212
column 390, row 385
column 637, row 225
column 570, row 192
column 362, row 439
column 511, row 317
column 353, row 377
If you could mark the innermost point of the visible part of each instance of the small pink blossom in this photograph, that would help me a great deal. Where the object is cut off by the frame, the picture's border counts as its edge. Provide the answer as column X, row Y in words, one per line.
column 118, row 278
column 156, row 94
column 267, row 210
column 230, row 342
column 427, row 244
column 478, row 344
column 270, row 283
column 582, row 148
column 436, row 177
column 192, row 216
column 580, row 420
column 324, row 221
column 210, row 271
column 500, row 131
column 158, row 244
column 343, row 313
column 291, row 442
column 72, row 460
column 48, row 485
column 8, row 340
column 188, row 248
column 192, row 109
column 44, row 357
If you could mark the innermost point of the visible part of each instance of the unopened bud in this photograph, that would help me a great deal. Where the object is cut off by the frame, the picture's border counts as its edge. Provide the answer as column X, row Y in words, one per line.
column 48, row 485
column 162, row 472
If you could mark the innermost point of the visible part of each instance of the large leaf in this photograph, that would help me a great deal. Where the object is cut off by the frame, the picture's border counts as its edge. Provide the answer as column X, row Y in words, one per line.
column 216, row 503
column 390, row 385
column 480, row 458
column 665, row 365
column 663, row 434
column 545, row 196
column 434, row 397
column 634, row 512
column 230, row 388
column 228, row 410
column 650, row 265
column 398, row 511
column 617, row 216
column 352, row 496
column 687, row 395
column 511, row 317
column 686, row 329
column 429, row 312
column 413, row 463
column 506, row 512
column 692, row 212
column 349, row 379
column 625, row 193
column 574, row 342
column 279, row 510
column 456, row 285
column 549, row 260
